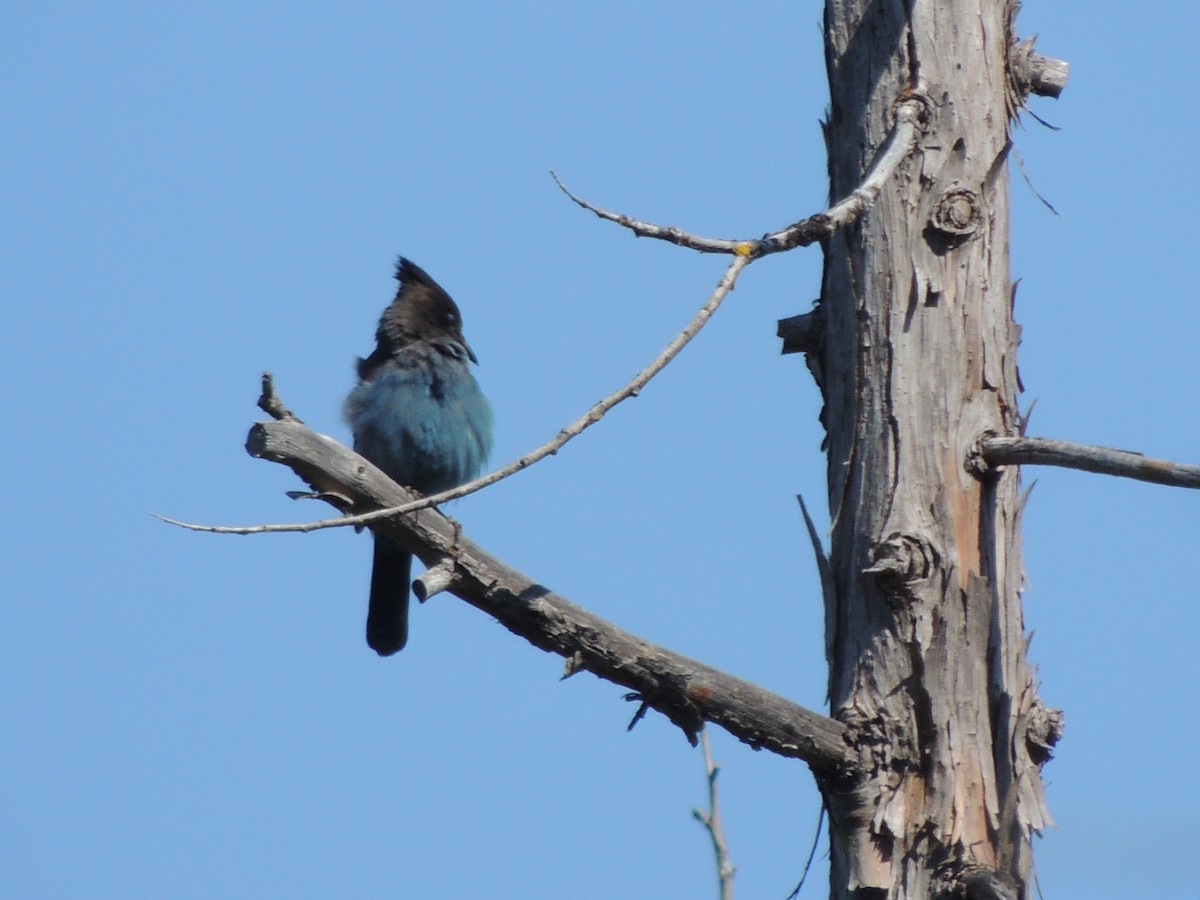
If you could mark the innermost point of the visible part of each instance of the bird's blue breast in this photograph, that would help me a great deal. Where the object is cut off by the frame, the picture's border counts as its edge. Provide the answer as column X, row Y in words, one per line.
column 421, row 417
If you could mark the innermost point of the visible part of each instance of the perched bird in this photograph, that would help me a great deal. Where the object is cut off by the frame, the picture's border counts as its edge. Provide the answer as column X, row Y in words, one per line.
column 418, row 414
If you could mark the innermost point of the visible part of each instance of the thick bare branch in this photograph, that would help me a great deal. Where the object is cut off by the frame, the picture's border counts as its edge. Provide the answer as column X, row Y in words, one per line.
column 686, row 691
column 1026, row 451
column 910, row 113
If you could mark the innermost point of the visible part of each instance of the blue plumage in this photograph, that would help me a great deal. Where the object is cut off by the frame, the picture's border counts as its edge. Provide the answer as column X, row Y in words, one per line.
column 417, row 413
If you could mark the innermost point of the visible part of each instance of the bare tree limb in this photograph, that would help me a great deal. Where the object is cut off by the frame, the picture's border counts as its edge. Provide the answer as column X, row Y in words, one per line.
column 686, row 691
column 910, row 115
column 991, row 452
column 270, row 403
column 711, row 820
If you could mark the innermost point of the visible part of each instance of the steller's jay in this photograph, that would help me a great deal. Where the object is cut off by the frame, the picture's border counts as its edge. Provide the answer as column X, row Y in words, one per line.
column 418, row 414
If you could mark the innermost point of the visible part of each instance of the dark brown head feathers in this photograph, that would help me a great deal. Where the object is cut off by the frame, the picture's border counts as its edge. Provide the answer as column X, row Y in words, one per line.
column 421, row 311
column 408, row 272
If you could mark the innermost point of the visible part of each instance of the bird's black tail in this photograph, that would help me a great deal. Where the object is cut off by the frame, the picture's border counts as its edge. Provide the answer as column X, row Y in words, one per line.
column 387, row 615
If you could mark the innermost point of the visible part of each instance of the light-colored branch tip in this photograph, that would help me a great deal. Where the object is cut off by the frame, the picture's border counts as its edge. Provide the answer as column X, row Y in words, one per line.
column 435, row 580
column 1034, row 73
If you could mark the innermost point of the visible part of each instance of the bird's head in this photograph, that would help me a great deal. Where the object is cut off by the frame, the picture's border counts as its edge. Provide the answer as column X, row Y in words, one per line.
column 422, row 311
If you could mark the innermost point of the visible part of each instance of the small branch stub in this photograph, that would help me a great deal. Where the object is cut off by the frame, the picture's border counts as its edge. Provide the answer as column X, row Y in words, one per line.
column 802, row 333
column 435, row 580
column 1034, row 73
column 269, row 402
column 902, row 558
column 574, row 663
column 1044, row 730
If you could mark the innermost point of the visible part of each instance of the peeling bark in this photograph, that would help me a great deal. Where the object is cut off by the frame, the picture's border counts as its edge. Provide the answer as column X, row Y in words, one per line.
column 917, row 358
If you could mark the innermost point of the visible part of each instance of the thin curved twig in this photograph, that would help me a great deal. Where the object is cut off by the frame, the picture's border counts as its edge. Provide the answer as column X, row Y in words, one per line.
column 910, row 113
column 591, row 417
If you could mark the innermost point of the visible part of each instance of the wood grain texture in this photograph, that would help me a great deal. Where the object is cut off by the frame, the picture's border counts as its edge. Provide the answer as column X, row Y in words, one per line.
column 918, row 357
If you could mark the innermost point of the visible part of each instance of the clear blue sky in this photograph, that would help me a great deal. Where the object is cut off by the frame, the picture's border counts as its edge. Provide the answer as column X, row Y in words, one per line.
column 193, row 193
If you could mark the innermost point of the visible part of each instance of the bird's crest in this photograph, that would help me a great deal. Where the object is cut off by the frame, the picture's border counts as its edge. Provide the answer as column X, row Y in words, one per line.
column 421, row 311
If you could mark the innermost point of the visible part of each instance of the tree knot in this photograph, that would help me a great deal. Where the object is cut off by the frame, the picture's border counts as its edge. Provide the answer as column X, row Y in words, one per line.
column 902, row 559
column 957, row 214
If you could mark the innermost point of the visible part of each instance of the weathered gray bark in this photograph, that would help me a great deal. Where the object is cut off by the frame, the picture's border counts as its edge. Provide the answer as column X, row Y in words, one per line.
column 918, row 360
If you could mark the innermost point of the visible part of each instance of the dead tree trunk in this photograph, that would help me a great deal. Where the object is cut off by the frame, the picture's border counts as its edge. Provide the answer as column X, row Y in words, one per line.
column 917, row 362
column 930, row 761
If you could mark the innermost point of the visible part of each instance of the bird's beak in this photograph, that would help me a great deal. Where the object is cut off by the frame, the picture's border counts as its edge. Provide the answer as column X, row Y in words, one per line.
column 470, row 352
